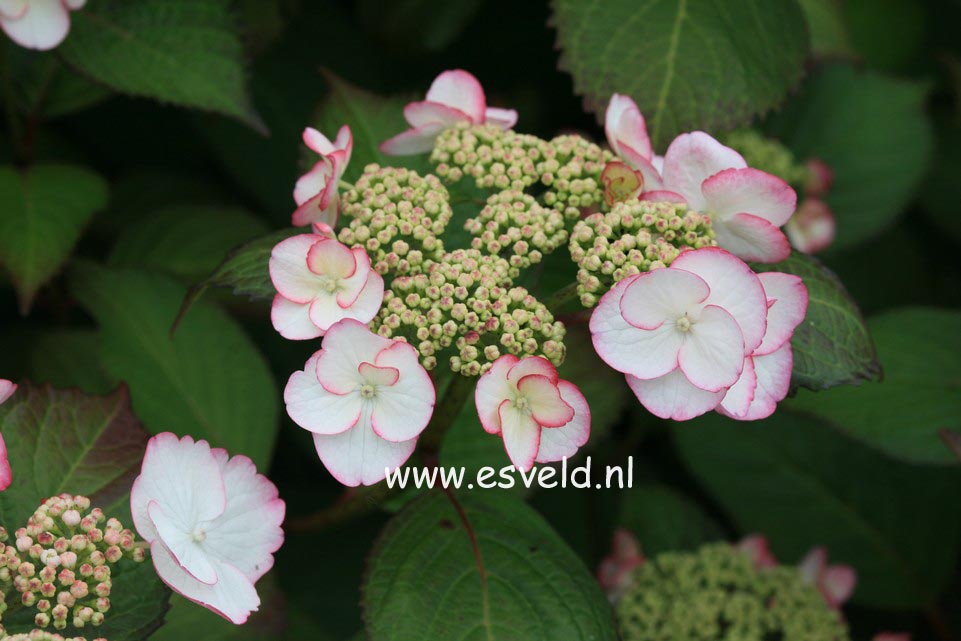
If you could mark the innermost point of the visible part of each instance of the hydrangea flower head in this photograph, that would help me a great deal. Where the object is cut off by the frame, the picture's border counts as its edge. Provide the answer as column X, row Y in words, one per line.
column 316, row 192
column 812, row 227
column 213, row 523
column 366, row 399
column 614, row 571
column 37, row 24
column 454, row 96
column 541, row 417
column 835, row 582
column 320, row 281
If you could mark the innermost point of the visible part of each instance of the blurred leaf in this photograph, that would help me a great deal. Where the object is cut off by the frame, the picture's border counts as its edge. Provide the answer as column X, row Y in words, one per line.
column 941, row 195
column 832, row 346
column 920, row 393
column 46, row 89
column 802, row 484
column 889, row 34
column 952, row 439
column 872, row 132
column 187, row 52
column 188, row 620
column 70, row 358
column 209, row 381
column 471, row 557
column 829, row 34
column 187, row 241
column 42, row 212
column 662, row 519
column 689, row 64
column 417, row 25
column 245, row 270
column 65, row 441
column 372, row 119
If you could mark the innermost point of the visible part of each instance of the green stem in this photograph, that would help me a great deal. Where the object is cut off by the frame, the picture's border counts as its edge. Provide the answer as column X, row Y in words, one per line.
column 343, row 184
column 561, row 297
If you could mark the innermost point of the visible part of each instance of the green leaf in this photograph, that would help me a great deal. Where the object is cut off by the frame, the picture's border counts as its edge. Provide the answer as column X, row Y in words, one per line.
column 417, row 25
column 209, row 381
column 187, row 241
column 689, row 64
column 65, row 441
column 662, row 519
column 832, row 346
column 829, row 34
column 919, row 396
column 941, row 193
column 187, row 620
column 801, row 484
column 42, row 212
column 187, row 52
column 872, row 131
column 372, row 119
column 70, row 358
column 480, row 566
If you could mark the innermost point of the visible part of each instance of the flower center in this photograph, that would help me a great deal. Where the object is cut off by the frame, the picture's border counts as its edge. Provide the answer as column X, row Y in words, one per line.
column 368, row 391
column 522, row 404
column 683, row 324
column 329, row 284
column 198, row 535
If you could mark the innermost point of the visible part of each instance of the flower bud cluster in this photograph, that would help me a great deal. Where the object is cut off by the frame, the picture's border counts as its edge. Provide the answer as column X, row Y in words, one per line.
column 42, row 635
column 718, row 592
column 397, row 216
column 466, row 303
column 568, row 166
column 513, row 224
column 633, row 237
column 61, row 562
column 768, row 154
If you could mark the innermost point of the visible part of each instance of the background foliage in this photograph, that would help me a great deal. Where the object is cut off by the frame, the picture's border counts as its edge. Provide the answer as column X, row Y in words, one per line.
column 146, row 169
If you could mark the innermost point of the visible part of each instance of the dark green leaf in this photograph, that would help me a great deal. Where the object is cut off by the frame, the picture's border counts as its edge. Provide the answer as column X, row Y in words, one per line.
column 42, row 212
column 208, row 381
column 829, row 34
column 689, row 64
column 941, row 195
column 832, row 346
column 919, row 396
column 479, row 565
column 662, row 519
column 801, row 484
column 70, row 358
column 417, row 25
column 64, row 441
column 187, row 52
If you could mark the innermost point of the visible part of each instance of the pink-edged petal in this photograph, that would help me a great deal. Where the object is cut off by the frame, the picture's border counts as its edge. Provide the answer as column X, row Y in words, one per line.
column 563, row 442
column 331, row 258
column 413, row 141
column 6, row 473
column 347, row 344
column 652, row 177
column 787, row 304
column 324, row 208
column 402, row 410
column 365, row 307
column 374, row 375
column 522, row 435
column 813, row 564
column 546, row 405
column 749, row 191
column 737, row 401
column 354, row 284
column 773, row 373
column 662, row 195
column 733, row 286
column 177, row 536
column 491, row 390
column 837, row 584
column 460, row 90
column 313, row 182
column 7, row 389
column 820, row 178
column 324, row 311
column 360, row 457
column 673, row 397
column 292, row 320
column 757, row 547
column 812, row 227
column 712, row 355
column 180, row 475
column 43, row 26
column 233, row 596
column 13, row 9
column 316, row 409
column 73, row 5
column 751, row 238
column 318, row 142
column 644, row 353
column 532, row 365
column 249, row 531
column 503, row 118
column 626, row 130
column 662, row 296
column 426, row 113
column 693, row 158
column 288, row 268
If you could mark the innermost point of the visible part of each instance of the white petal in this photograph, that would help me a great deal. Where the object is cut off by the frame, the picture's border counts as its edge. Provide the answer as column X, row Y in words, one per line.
column 663, row 295
column 693, row 158
column 413, row 141
column 788, row 300
column 13, row 9
column 737, row 401
column 712, row 355
column 360, row 457
column 6, row 474
column 522, row 436
column 44, row 25
column 288, row 268
column 7, row 389
column 563, row 442
column 402, row 410
column 292, row 320
column 426, row 113
column 347, row 344
column 773, row 372
column 672, row 396
column 460, row 90
column 176, row 535
column 313, row 182
column 625, row 128
column 750, row 191
column 503, row 118
column 547, row 407
column 492, row 389
column 314, row 408
column 751, row 238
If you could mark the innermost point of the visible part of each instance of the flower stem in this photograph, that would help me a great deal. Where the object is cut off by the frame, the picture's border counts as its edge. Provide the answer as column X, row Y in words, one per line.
column 343, row 184
column 561, row 297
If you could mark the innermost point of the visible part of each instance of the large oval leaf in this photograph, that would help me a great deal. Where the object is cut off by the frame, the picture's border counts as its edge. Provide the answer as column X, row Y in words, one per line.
column 479, row 566
column 689, row 64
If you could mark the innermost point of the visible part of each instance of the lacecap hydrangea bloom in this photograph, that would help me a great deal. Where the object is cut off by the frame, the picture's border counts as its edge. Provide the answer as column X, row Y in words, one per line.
column 212, row 522
column 37, row 24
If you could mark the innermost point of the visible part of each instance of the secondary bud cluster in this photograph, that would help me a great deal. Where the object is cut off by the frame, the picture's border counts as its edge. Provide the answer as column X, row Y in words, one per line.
column 633, row 237
column 513, row 224
column 568, row 166
column 42, row 635
column 466, row 302
column 768, row 154
column 61, row 562
column 397, row 216
column 718, row 592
